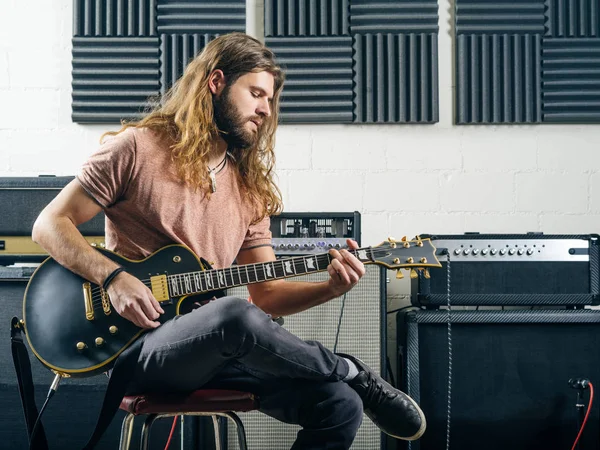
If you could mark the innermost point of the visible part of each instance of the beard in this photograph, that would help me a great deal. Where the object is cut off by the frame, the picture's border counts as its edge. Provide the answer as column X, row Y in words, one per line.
column 231, row 123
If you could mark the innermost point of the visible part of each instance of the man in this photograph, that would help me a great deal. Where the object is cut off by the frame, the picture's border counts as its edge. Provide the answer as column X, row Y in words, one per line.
column 198, row 171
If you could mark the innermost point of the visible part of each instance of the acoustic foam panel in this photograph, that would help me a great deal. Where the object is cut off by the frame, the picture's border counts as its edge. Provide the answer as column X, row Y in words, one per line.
column 306, row 17
column 126, row 52
column 318, row 85
column 393, row 50
column 527, row 61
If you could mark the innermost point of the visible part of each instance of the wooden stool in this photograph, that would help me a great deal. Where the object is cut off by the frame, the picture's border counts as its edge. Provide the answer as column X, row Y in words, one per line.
column 208, row 402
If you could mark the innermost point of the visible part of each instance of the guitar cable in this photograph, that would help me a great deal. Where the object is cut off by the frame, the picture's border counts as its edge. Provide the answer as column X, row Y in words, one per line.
column 53, row 388
column 339, row 325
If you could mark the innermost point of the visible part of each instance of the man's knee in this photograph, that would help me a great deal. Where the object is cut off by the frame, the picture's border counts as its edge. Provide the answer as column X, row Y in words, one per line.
column 340, row 407
column 236, row 316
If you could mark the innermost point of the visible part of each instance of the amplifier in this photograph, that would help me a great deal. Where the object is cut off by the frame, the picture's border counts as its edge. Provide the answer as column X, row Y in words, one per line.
column 304, row 233
column 21, row 201
column 511, row 270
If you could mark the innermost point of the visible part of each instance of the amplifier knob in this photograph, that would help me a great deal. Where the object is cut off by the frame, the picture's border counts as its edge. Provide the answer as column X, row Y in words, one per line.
column 502, row 251
column 337, row 245
column 476, row 251
column 520, row 251
column 466, row 251
column 530, row 251
column 290, row 246
column 296, row 245
column 457, row 251
column 484, row 251
column 493, row 251
column 511, row 251
column 282, row 246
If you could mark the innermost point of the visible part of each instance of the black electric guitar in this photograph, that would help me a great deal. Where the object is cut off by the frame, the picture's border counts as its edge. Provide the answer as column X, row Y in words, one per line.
column 73, row 330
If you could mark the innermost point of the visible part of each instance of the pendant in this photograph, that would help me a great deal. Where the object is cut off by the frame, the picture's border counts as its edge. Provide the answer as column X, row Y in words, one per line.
column 213, row 181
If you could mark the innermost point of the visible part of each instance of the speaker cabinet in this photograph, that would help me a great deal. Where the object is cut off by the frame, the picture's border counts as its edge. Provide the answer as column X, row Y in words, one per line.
column 510, row 373
column 362, row 333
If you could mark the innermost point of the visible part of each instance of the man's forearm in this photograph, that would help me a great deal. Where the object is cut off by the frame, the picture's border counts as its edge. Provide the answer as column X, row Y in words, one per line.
column 63, row 241
column 290, row 297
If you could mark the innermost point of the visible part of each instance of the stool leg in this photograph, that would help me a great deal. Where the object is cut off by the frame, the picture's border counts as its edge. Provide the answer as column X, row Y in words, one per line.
column 241, row 432
column 126, row 430
column 146, row 431
column 217, row 429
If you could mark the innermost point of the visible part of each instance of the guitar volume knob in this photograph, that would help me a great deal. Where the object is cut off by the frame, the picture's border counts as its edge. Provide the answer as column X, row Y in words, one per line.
column 99, row 342
column 81, row 346
column 113, row 330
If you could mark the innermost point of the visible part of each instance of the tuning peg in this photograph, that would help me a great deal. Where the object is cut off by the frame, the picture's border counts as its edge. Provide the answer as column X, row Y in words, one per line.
column 426, row 274
column 399, row 274
column 413, row 273
column 391, row 239
column 419, row 241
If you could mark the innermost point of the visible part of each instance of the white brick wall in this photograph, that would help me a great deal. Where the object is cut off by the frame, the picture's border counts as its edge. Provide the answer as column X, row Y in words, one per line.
column 403, row 179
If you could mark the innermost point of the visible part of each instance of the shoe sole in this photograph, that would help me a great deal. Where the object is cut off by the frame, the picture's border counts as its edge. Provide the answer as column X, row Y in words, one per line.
column 423, row 427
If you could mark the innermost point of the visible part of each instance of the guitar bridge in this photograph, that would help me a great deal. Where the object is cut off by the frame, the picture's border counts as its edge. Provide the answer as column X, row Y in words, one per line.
column 87, row 298
column 105, row 302
column 160, row 287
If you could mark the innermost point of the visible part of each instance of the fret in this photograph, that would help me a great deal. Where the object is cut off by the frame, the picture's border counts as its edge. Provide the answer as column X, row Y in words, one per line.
column 247, row 274
column 262, row 273
column 229, row 281
column 221, row 278
column 255, row 272
column 279, row 270
column 198, row 282
column 269, row 270
column 174, row 288
column 181, row 283
column 309, row 263
column 288, row 266
column 188, row 284
column 208, row 279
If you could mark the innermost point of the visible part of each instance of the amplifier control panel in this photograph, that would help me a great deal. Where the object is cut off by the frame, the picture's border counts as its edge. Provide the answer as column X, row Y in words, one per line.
column 514, row 249
column 311, row 233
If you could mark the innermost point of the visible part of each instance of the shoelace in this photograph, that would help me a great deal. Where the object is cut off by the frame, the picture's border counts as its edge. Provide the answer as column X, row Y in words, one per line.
column 376, row 392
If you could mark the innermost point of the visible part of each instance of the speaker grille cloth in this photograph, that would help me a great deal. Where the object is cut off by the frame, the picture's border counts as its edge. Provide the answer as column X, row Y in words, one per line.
column 360, row 335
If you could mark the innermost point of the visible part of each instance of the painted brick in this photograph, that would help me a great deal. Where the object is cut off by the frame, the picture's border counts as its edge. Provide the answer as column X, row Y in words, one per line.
column 38, row 69
column 352, row 148
column 4, row 75
column 405, row 148
column 413, row 224
column 292, row 147
column 502, row 223
column 499, row 149
column 375, row 228
column 326, row 191
column 401, row 191
column 569, row 148
column 570, row 223
column 477, row 192
column 24, row 108
column 545, row 192
column 595, row 193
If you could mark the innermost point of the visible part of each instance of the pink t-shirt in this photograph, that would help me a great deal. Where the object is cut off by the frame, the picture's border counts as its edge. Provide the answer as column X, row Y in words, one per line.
column 147, row 206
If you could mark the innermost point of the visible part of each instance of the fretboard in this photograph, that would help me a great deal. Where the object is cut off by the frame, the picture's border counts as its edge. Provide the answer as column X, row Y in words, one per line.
column 216, row 279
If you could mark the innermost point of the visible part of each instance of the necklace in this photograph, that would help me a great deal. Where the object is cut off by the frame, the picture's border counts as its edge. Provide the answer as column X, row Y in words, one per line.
column 215, row 170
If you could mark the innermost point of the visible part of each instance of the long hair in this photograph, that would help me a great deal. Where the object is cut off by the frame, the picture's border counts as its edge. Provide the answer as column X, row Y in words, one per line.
column 185, row 116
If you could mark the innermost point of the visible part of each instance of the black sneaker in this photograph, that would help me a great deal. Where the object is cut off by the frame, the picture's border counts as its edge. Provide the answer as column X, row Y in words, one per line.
column 394, row 412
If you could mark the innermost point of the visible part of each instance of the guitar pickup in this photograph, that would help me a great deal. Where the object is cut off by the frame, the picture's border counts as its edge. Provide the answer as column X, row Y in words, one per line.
column 160, row 288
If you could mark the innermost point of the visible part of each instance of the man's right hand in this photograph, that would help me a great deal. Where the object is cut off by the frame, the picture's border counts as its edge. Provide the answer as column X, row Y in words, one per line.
column 134, row 301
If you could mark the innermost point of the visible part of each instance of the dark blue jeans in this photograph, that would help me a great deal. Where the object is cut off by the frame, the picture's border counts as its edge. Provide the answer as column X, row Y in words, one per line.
column 231, row 344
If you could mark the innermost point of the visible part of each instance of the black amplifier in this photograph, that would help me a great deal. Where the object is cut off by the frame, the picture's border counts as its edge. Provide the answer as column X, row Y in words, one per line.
column 512, row 270
column 21, row 201
column 301, row 233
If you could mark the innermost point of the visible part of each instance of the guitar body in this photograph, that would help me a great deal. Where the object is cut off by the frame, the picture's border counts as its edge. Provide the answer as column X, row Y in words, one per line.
column 54, row 311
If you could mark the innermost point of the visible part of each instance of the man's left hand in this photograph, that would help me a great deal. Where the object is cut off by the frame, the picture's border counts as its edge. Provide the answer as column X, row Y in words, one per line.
column 345, row 269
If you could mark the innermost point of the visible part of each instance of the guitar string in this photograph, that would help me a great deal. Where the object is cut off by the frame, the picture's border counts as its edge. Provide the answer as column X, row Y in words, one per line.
column 206, row 273
column 280, row 261
column 97, row 295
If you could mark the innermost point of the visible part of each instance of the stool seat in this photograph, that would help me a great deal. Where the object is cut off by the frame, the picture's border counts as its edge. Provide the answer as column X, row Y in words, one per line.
column 204, row 400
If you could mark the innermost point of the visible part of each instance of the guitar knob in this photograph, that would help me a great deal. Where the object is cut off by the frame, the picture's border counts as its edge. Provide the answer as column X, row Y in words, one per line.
column 113, row 330
column 81, row 346
column 99, row 342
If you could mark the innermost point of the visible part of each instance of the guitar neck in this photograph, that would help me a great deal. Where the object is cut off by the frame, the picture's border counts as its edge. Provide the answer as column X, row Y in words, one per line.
column 191, row 283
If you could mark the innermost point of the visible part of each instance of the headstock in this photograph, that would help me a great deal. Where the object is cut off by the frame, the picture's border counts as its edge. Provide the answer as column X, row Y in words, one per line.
column 413, row 255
